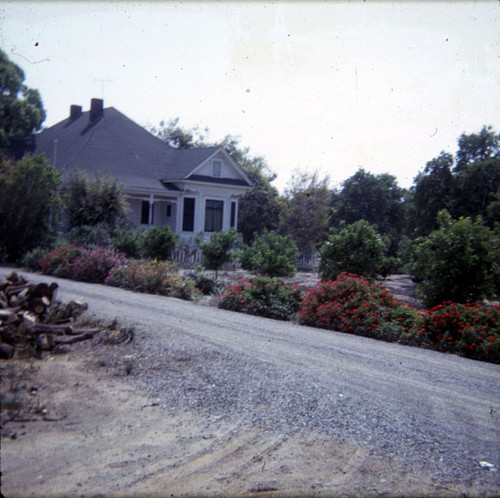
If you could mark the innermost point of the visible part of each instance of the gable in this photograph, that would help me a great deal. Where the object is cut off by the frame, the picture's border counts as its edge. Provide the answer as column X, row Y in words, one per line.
column 219, row 165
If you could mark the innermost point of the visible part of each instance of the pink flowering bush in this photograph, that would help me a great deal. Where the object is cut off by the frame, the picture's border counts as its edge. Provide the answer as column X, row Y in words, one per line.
column 94, row 265
column 471, row 329
column 58, row 261
column 262, row 296
column 152, row 277
column 355, row 305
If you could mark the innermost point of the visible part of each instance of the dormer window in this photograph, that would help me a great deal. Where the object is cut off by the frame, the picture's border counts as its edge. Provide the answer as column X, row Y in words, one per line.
column 216, row 168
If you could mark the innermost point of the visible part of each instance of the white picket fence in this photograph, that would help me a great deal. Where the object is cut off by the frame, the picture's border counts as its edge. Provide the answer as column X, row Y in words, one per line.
column 189, row 258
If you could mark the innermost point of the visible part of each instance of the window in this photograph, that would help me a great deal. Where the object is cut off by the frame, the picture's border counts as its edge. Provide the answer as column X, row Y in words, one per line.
column 232, row 224
column 213, row 216
column 169, row 210
column 145, row 213
column 188, row 216
column 216, row 168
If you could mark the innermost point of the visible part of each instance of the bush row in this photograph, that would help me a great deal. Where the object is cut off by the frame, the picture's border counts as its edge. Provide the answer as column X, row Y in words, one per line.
column 354, row 305
column 350, row 303
column 107, row 266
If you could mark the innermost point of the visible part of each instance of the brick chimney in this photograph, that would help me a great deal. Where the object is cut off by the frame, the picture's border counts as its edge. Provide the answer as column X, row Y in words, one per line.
column 75, row 111
column 96, row 109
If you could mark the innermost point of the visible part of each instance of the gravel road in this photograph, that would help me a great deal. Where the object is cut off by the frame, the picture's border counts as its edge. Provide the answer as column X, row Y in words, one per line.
column 408, row 412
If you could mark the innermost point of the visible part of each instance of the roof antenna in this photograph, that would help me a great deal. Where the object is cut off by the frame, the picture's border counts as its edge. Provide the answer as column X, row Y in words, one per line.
column 102, row 81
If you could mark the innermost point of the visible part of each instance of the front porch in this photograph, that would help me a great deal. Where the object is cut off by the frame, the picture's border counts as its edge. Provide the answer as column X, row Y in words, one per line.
column 187, row 214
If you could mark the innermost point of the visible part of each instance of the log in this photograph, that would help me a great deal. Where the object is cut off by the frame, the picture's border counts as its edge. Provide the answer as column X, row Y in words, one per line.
column 51, row 328
column 44, row 342
column 70, row 339
column 6, row 350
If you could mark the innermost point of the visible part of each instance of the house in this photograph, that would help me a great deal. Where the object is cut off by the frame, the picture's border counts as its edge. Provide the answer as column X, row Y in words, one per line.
column 190, row 190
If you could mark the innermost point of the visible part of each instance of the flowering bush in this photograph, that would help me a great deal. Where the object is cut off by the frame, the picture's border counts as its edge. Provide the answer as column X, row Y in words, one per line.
column 93, row 265
column 152, row 277
column 58, row 261
column 471, row 329
column 262, row 296
column 354, row 305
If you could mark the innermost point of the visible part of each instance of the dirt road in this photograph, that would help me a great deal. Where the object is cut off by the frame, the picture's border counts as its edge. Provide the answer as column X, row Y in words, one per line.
column 212, row 402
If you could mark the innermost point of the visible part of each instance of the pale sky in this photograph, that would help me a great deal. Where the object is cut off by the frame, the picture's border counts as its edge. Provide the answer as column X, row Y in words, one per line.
column 328, row 86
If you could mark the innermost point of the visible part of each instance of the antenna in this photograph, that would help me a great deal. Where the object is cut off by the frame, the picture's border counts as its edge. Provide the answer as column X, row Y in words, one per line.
column 102, row 81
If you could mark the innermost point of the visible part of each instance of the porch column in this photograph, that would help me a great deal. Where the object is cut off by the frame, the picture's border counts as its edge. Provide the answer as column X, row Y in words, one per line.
column 151, row 204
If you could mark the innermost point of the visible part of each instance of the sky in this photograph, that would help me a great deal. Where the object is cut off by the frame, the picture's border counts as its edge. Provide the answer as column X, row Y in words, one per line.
column 324, row 86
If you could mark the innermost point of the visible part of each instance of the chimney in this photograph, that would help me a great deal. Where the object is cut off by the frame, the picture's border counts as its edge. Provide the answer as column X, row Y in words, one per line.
column 96, row 109
column 75, row 111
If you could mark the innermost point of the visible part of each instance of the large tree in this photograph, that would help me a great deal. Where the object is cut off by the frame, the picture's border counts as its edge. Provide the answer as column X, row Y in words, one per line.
column 30, row 205
column 466, row 185
column 375, row 198
column 432, row 192
column 477, row 147
column 21, row 111
column 305, row 209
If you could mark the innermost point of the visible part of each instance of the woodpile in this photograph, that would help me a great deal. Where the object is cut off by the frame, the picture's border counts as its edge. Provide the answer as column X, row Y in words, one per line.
column 30, row 316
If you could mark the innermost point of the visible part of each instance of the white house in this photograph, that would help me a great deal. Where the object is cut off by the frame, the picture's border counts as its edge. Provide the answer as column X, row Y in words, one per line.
column 190, row 190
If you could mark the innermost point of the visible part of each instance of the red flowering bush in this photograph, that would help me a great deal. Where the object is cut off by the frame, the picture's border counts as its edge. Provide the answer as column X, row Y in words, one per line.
column 58, row 261
column 471, row 329
column 94, row 265
column 355, row 305
column 152, row 277
column 262, row 296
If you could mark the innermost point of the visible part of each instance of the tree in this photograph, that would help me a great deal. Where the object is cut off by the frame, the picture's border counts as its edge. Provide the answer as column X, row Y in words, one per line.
column 458, row 261
column 376, row 199
column 95, row 200
column 477, row 147
column 356, row 248
column 433, row 190
column 218, row 251
column 475, row 188
column 30, row 205
column 177, row 137
column 305, row 210
column 21, row 111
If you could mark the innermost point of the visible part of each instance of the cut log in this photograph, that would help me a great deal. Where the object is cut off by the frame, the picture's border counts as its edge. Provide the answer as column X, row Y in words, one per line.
column 6, row 350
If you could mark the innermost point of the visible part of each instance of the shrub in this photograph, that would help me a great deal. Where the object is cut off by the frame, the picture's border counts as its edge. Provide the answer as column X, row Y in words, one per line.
column 159, row 243
column 129, row 242
column 458, row 262
column 354, row 305
column 152, row 277
column 204, row 284
column 271, row 254
column 94, row 265
column 218, row 251
column 95, row 200
column 58, row 261
column 262, row 296
column 90, row 236
column 471, row 329
column 355, row 248
column 31, row 260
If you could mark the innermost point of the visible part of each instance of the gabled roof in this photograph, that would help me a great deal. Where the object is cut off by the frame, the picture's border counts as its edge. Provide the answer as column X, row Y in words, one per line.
column 116, row 145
